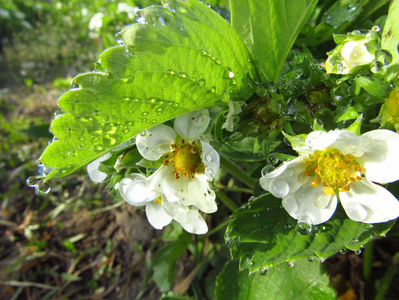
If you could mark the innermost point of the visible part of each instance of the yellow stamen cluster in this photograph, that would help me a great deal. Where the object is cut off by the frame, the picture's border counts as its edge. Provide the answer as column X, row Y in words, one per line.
column 333, row 169
column 185, row 158
column 158, row 200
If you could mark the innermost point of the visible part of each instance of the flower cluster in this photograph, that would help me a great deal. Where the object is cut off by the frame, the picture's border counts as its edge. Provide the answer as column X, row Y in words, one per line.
column 339, row 165
column 179, row 189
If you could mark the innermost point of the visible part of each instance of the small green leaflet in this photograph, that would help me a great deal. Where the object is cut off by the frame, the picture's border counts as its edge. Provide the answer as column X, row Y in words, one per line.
column 304, row 280
column 390, row 34
column 262, row 235
column 269, row 29
column 178, row 58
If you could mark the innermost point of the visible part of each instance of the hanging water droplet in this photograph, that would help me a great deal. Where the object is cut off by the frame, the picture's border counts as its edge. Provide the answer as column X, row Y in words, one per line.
column 343, row 251
column 57, row 113
column 42, row 188
column 376, row 28
column 33, row 181
column 267, row 169
column 304, row 226
column 358, row 251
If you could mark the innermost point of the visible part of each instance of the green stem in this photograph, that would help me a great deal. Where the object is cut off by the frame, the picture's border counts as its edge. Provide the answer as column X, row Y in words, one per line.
column 367, row 261
column 386, row 281
column 217, row 228
column 237, row 172
column 238, row 189
column 227, row 201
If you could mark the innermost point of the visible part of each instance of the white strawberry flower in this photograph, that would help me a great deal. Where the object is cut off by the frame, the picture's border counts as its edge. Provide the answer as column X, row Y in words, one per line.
column 339, row 165
column 356, row 53
column 353, row 53
column 180, row 187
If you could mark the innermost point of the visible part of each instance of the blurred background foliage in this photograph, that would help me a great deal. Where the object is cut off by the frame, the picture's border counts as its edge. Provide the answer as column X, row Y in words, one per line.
column 77, row 242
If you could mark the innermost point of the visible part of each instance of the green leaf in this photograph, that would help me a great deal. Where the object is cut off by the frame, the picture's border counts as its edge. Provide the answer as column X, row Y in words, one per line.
column 390, row 34
column 181, row 57
column 262, row 235
column 306, row 280
column 356, row 126
column 373, row 86
column 165, row 261
column 269, row 28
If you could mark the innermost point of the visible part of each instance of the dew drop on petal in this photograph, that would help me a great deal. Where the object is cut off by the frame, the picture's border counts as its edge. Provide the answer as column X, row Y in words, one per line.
column 280, row 188
column 322, row 201
column 356, row 211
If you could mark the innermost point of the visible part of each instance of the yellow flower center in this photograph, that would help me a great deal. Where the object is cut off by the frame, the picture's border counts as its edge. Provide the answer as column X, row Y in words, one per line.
column 335, row 170
column 185, row 158
column 158, row 200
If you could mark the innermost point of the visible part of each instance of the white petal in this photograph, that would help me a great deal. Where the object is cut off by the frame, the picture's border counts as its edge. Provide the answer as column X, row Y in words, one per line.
column 199, row 194
column 310, row 205
column 345, row 141
column 157, row 216
column 369, row 203
column 191, row 220
column 173, row 188
column 136, row 190
column 285, row 179
column 192, row 124
column 211, row 159
column 381, row 159
column 93, row 171
column 356, row 53
column 155, row 142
